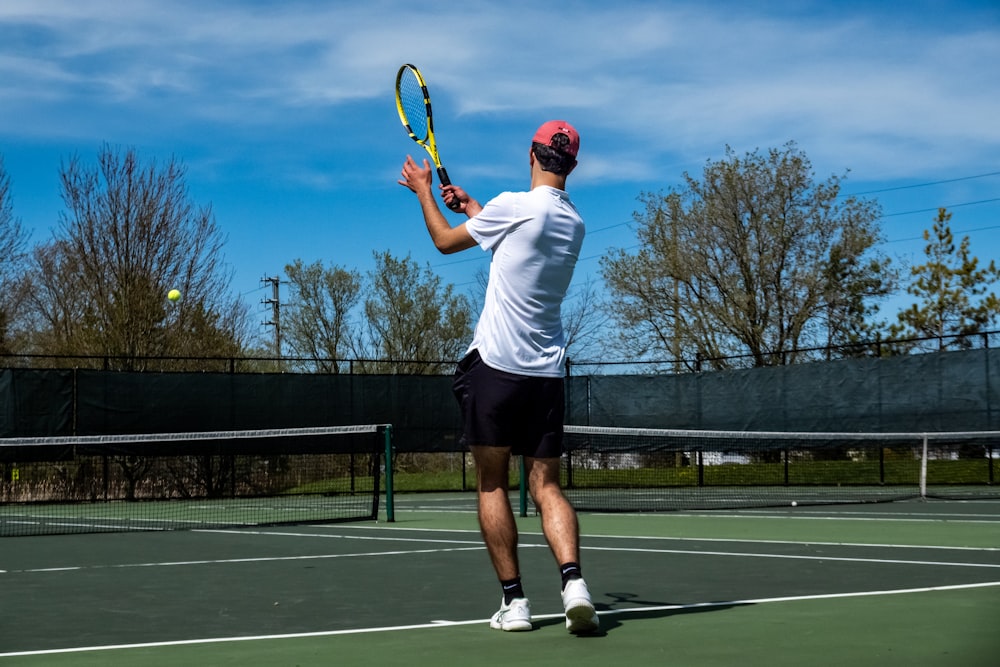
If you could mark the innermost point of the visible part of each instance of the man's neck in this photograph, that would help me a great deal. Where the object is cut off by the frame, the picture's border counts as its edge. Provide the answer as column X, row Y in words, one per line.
column 539, row 178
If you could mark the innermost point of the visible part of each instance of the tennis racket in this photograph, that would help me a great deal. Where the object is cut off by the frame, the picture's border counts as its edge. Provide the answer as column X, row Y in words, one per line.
column 413, row 103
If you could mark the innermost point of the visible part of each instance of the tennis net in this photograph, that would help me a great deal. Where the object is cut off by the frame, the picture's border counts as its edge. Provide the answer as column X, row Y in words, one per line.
column 168, row 481
column 629, row 469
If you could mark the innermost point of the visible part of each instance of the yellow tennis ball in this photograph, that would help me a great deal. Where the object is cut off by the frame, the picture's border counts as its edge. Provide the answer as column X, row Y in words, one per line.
column 174, row 294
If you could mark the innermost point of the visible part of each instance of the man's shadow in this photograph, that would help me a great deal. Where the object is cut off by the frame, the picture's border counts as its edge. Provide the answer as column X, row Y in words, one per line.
column 626, row 606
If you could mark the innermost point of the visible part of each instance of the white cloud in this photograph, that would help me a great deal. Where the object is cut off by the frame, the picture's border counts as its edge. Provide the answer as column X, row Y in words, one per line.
column 661, row 78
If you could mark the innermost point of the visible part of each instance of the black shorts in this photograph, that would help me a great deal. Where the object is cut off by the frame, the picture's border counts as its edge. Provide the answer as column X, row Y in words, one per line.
column 503, row 409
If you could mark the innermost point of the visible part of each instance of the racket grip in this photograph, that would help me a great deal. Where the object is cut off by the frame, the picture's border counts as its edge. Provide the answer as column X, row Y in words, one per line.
column 443, row 177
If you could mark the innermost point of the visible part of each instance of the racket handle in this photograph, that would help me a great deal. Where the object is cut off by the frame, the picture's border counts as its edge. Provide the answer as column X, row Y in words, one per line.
column 443, row 177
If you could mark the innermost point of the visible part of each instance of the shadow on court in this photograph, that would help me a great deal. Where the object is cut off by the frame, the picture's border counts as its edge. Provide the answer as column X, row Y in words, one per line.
column 626, row 607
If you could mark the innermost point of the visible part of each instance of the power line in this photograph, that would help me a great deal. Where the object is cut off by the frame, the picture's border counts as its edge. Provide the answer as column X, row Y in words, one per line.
column 924, row 185
column 936, row 208
column 956, row 232
column 871, row 192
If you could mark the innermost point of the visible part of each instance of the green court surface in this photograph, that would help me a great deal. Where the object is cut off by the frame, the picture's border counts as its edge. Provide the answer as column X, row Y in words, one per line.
column 906, row 583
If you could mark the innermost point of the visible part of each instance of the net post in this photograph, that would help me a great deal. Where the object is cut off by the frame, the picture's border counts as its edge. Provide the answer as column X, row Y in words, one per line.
column 463, row 471
column 923, row 470
column 523, row 489
column 989, row 462
column 390, row 508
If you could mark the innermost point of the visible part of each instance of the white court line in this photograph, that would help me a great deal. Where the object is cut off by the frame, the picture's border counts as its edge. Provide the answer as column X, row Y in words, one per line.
column 889, row 516
column 227, row 561
column 774, row 513
column 595, row 536
column 800, row 517
column 430, row 510
column 282, row 533
column 478, row 546
column 888, row 561
column 867, row 545
column 445, row 623
column 474, row 545
column 849, row 515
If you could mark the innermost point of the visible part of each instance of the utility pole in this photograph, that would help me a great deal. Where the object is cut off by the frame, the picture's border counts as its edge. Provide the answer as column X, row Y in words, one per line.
column 275, row 303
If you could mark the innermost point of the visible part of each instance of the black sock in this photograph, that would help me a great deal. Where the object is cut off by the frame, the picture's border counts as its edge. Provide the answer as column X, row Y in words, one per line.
column 569, row 572
column 512, row 589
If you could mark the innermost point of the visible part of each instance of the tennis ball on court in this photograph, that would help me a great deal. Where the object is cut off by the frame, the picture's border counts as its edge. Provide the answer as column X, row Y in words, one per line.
column 174, row 294
column 794, row 504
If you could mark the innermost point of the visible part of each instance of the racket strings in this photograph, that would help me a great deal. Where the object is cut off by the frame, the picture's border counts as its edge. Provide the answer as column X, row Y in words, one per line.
column 414, row 105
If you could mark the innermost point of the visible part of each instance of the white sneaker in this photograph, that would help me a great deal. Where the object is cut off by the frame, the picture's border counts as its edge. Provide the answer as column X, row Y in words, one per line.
column 515, row 617
column 581, row 617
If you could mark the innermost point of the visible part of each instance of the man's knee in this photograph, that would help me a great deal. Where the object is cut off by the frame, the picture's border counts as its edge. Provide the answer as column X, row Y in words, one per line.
column 492, row 467
column 545, row 490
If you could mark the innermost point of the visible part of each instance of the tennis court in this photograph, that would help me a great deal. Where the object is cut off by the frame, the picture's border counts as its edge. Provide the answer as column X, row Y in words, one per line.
column 904, row 583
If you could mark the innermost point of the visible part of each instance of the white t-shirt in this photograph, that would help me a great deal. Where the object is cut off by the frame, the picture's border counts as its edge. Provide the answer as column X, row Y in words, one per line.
column 535, row 238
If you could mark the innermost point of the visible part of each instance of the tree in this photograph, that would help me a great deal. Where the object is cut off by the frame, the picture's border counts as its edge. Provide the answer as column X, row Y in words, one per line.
column 318, row 324
column 955, row 301
column 856, row 283
column 13, row 243
column 585, row 320
column 128, row 235
column 755, row 260
column 413, row 321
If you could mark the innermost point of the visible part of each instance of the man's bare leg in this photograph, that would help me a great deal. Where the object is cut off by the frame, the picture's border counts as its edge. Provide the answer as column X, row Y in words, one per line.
column 496, row 517
column 559, row 522
column 562, row 532
column 499, row 529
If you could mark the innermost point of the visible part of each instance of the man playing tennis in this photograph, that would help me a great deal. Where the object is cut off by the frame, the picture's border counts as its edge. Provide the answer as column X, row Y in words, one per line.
column 510, row 383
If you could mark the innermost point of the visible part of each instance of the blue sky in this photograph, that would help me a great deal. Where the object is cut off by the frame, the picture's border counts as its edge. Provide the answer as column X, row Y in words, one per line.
column 283, row 112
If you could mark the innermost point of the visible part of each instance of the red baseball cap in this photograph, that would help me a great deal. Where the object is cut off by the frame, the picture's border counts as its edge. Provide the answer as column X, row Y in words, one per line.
column 553, row 127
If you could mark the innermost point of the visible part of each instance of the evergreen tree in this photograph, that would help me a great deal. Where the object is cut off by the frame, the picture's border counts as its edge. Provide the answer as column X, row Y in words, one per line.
column 953, row 291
